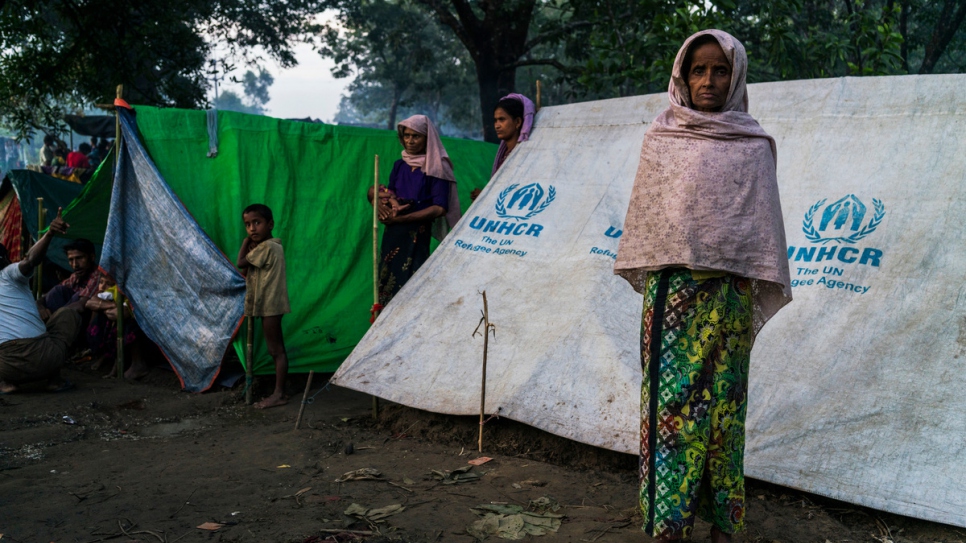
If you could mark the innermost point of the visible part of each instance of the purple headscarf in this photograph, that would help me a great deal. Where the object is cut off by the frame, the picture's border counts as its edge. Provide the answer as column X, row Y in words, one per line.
column 528, row 112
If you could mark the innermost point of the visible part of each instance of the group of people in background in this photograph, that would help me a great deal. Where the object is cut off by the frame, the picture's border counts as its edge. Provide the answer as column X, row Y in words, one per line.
column 56, row 152
column 703, row 243
column 421, row 201
column 75, row 320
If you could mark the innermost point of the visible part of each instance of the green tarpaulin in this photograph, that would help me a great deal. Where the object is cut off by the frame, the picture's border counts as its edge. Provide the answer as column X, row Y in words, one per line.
column 314, row 177
column 56, row 193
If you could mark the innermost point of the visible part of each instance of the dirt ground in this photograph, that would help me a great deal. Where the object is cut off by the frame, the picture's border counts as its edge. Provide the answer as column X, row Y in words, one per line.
column 119, row 461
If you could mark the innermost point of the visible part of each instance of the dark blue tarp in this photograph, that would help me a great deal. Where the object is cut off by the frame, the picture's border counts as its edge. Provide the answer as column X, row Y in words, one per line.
column 187, row 297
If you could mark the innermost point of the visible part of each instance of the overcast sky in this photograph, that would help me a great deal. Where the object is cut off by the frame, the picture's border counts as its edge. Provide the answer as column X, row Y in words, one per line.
column 307, row 90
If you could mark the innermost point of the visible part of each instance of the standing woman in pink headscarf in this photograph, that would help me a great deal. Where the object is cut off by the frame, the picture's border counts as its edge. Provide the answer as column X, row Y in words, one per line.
column 420, row 202
column 704, row 242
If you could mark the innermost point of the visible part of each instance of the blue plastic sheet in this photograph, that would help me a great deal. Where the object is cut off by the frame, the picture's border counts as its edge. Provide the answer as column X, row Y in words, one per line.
column 187, row 297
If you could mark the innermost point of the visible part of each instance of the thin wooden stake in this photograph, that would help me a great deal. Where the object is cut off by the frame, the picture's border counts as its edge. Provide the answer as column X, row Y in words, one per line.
column 119, row 299
column 305, row 395
column 249, row 360
column 488, row 327
column 119, row 359
column 375, row 262
column 538, row 95
column 41, row 223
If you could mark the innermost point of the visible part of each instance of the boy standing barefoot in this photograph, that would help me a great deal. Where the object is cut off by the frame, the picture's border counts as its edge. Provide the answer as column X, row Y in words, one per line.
column 262, row 262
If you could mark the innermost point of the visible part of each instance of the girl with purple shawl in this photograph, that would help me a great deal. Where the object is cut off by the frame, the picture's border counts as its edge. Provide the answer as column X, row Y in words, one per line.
column 513, row 121
column 704, row 242
column 420, row 202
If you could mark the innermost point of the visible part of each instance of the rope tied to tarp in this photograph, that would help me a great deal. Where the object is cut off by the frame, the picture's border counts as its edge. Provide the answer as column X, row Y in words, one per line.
column 311, row 399
column 212, row 121
column 493, row 416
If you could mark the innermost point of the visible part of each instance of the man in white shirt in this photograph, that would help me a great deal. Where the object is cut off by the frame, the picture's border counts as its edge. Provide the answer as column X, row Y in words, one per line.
column 29, row 349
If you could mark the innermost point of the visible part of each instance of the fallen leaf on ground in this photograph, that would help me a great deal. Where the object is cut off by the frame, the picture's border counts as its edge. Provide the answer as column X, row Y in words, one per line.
column 303, row 491
column 283, row 466
column 383, row 512
column 362, row 474
column 511, row 522
column 457, row 476
column 210, row 526
column 408, row 481
column 479, row 461
column 360, row 511
column 544, row 504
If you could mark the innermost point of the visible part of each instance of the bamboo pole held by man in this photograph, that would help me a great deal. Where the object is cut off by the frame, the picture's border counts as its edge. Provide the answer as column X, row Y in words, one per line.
column 41, row 223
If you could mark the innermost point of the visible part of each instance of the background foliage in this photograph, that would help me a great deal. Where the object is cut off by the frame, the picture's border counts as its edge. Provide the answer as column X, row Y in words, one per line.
column 449, row 59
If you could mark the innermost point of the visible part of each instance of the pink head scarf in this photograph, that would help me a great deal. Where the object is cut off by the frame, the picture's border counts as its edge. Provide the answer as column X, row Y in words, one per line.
column 706, row 192
column 529, row 110
column 434, row 162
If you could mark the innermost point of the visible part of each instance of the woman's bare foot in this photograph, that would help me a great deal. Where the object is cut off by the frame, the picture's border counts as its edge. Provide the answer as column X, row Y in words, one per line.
column 7, row 388
column 275, row 400
column 137, row 371
column 97, row 363
column 717, row 536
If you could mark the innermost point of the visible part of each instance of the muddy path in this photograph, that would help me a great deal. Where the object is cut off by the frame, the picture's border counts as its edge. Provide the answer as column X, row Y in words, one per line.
column 113, row 461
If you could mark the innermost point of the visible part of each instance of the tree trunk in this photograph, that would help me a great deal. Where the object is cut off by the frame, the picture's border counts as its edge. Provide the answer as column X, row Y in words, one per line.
column 954, row 11
column 494, row 84
column 495, row 43
column 903, row 29
column 391, row 125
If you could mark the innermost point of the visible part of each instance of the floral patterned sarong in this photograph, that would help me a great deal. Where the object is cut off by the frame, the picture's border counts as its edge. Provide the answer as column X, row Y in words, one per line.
column 693, row 401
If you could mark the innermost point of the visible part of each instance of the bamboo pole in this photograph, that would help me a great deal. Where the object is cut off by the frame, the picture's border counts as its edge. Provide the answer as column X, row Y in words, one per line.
column 41, row 222
column 119, row 299
column 375, row 262
column 538, row 95
column 249, row 360
column 305, row 395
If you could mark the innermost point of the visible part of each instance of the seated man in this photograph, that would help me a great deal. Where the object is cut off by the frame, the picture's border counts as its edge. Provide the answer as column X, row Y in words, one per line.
column 81, row 285
column 29, row 350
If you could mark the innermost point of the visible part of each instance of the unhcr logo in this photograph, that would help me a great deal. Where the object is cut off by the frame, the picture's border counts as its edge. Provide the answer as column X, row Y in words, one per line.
column 522, row 203
column 842, row 220
column 837, row 227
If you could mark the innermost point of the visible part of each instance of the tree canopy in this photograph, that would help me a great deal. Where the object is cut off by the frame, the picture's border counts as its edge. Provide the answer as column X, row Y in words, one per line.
column 60, row 55
column 589, row 49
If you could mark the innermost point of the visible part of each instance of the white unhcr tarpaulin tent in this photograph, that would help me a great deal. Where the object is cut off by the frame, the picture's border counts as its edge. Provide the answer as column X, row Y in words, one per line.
column 857, row 387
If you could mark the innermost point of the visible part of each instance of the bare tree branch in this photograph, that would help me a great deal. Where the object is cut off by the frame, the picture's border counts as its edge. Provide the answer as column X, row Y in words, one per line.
column 456, row 21
column 557, row 32
column 538, row 62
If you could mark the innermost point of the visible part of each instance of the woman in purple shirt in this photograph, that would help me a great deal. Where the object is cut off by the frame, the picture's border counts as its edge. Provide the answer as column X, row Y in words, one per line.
column 421, row 190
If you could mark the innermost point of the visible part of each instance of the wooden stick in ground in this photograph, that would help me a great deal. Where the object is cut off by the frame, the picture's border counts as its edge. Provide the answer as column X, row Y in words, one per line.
column 249, row 360
column 305, row 395
column 41, row 223
column 487, row 327
column 375, row 262
column 538, row 95
column 119, row 359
